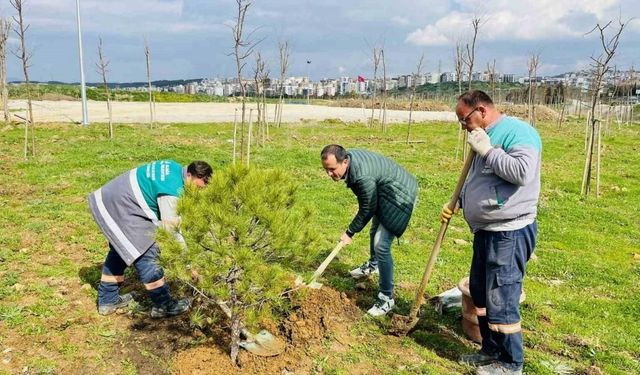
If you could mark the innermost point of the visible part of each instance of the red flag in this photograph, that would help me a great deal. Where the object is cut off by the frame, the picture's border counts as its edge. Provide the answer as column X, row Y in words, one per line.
column 360, row 79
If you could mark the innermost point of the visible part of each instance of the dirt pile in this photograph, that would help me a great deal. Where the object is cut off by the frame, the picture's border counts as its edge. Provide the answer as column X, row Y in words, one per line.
column 392, row 104
column 323, row 314
column 522, row 111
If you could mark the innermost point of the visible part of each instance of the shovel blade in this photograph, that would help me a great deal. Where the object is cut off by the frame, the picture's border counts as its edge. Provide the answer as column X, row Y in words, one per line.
column 264, row 344
column 401, row 325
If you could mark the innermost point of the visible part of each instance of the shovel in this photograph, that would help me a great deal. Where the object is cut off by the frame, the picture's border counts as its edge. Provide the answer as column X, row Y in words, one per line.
column 400, row 324
column 313, row 284
column 263, row 343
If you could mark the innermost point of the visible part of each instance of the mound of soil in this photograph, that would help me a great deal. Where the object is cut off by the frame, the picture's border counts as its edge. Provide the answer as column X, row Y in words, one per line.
column 323, row 314
column 522, row 111
column 57, row 97
column 392, row 104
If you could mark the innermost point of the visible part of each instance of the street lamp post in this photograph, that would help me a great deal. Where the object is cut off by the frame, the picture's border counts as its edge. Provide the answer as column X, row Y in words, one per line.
column 83, row 89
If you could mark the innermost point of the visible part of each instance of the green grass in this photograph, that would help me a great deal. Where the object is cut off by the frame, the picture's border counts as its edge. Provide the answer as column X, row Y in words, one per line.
column 582, row 304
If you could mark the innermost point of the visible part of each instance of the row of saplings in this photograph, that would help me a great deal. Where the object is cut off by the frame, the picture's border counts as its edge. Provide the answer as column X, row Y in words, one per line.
column 247, row 237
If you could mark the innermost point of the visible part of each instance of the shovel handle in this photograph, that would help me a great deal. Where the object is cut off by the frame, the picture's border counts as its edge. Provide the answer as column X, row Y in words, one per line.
column 443, row 230
column 326, row 262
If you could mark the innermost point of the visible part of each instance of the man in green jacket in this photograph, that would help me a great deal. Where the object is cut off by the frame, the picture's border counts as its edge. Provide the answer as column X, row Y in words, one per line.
column 386, row 195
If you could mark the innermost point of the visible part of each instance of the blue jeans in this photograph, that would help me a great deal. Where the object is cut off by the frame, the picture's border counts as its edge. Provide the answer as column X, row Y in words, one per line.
column 380, row 255
column 495, row 282
column 147, row 266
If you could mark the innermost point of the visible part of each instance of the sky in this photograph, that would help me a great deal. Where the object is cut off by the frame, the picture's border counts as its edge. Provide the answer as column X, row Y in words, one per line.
column 192, row 38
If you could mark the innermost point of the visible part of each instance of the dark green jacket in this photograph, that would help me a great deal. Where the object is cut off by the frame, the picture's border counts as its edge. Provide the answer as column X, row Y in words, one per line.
column 384, row 189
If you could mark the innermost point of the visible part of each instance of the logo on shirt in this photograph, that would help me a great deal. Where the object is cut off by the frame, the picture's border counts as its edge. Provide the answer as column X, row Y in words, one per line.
column 164, row 170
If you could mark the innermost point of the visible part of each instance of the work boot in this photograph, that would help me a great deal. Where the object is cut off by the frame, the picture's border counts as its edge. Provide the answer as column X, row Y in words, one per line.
column 383, row 306
column 478, row 359
column 122, row 302
column 364, row 270
column 497, row 368
column 171, row 308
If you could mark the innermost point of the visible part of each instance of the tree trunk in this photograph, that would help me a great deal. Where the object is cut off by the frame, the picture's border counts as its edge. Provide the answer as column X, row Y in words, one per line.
column 561, row 116
column 410, row 113
column 147, row 54
column 110, row 117
column 26, row 138
column 249, row 137
column 598, row 155
column 235, row 134
column 235, row 338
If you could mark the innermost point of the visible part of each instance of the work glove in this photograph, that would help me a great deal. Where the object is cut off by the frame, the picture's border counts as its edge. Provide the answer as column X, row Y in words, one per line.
column 447, row 213
column 479, row 141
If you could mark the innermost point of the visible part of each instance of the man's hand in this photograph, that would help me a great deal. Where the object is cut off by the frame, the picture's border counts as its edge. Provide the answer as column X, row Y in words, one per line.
column 345, row 239
column 479, row 141
column 446, row 213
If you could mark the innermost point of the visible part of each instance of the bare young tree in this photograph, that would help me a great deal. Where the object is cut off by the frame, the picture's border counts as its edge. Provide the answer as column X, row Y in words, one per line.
column 634, row 82
column 265, row 81
column 285, row 51
column 24, row 55
column 458, row 62
column 470, row 56
column 413, row 94
column 102, row 68
column 235, row 135
column 532, row 65
column 383, row 105
column 376, row 63
column 147, row 54
column 5, row 29
column 599, row 68
column 259, row 77
column 491, row 70
column 242, row 48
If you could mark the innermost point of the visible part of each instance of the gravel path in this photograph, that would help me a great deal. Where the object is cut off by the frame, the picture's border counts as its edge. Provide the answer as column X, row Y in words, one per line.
column 129, row 112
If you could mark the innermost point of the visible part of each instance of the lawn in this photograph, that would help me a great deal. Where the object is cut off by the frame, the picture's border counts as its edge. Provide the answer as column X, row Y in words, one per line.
column 580, row 316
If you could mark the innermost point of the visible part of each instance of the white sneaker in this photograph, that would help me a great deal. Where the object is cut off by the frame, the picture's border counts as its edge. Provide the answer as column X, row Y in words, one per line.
column 497, row 368
column 383, row 306
column 364, row 270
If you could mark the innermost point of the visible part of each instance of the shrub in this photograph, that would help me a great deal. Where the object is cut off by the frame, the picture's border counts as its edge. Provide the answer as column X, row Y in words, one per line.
column 246, row 237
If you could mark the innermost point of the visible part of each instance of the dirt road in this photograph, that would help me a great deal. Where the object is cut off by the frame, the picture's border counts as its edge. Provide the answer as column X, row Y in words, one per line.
column 129, row 112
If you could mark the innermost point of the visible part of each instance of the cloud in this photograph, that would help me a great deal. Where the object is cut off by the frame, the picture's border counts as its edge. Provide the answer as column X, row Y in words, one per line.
column 428, row 36
column 117, row 17
column 263, row 13
column 526, row 20
column 398, row 20
column 582, row 64
column 336, row 35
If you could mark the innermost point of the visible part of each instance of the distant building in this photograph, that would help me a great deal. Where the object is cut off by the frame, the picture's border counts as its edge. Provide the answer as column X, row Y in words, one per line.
column 508, row 78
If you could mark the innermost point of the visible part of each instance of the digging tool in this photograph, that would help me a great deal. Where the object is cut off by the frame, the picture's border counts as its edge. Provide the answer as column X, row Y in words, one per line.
column 400, row 324
column 263, row 343
column 313, row 284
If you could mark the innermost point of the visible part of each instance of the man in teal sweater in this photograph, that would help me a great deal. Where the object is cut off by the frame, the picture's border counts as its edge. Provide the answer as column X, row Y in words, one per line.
column 499, row 201
column 386, row 195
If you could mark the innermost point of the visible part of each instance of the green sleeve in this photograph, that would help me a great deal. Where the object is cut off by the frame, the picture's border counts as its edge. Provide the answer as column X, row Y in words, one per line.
column 365, row 190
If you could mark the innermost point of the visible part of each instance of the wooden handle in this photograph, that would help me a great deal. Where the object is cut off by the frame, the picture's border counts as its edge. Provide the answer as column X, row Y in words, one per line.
column 326, row 262
column 443, row 230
